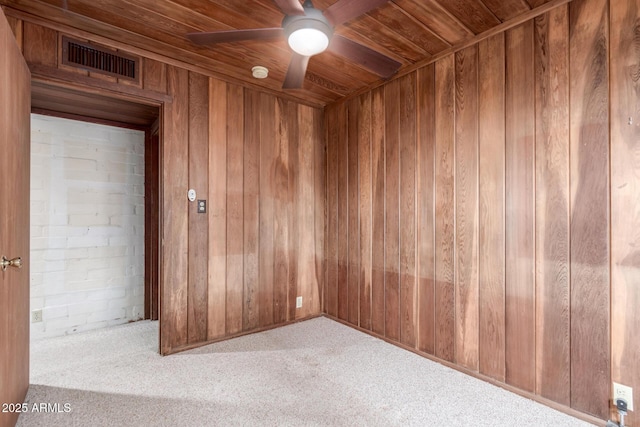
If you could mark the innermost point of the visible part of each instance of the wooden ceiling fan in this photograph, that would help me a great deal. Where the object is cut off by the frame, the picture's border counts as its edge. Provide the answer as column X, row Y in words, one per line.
column 309, row 32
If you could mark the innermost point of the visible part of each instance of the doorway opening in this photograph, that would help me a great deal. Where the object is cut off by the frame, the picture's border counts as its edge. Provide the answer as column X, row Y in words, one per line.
column 95, row 210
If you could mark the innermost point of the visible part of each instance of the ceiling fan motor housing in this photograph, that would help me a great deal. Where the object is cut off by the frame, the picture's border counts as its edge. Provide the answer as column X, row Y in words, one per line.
column 313, row 18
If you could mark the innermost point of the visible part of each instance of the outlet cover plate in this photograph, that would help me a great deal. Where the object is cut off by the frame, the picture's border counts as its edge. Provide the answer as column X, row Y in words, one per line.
column 624, row 392
column 299, row 302
column 36, row 316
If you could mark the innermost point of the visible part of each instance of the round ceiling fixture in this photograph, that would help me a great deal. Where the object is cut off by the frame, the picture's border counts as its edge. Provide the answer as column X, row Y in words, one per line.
column 260, row 72
column 308, row 34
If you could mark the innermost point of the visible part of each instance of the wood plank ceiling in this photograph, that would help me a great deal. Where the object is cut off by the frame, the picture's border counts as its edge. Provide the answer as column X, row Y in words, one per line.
column 408, row 31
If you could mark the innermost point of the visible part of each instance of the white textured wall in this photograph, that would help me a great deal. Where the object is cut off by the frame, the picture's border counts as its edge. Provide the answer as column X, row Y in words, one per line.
column 87, row 225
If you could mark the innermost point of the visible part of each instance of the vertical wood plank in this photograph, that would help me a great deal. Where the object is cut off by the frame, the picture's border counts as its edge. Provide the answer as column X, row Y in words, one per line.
column 268, row 151
column 151, row 224
column 251, row 194
column 625, row 185
column 491, row 107
column 392, row 211
column 282, row 206
column 320, row 206
column 17, row 28
column 343, row 212
column 174, row 332
column 552, row 206
column 425, row 204
column 332, row 211
column 590, row 210
column 216, row 320
column 198, row 223
column 15, row 98
column 364, row 181
column 520, row 221
column 40, row 45
column 444, row 214
column 235, row 209
column 353, row 228
column 154, row 75
column 377, row 202
column 294, row 207
column 407, row 165
column 466, row 175
column 308, row 281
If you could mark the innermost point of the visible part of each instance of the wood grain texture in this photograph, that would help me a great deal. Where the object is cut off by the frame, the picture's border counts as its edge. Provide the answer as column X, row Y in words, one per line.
column 251, row 194
column 507, row 10
column 408, row 31
column 223, row 252
column 331, row 306
column 590, row 198
column 473, row 14
column 268, row 151
column 407, row 164
column 392, row 211
column 295, row 175
column 500, row 178
column 343, row 211
column 625, row 191
column 491, row 268
column 552, row 206
column 17, row 28
column 198, row 92
column 445, row 205
column 318, row 137
column 425, row 205
column 281, row 213
column 466, row 195
column 14, row 223
column 154, row 75
column 40, row 45
column 73, row 103
column 151, row 224
column 435, row 16
column 520, row 210
column 353, row 289
column 235, row 210
column 175, row 162
column 308, row 282
column 216, row 319
column 365, row 205
column 378, row 206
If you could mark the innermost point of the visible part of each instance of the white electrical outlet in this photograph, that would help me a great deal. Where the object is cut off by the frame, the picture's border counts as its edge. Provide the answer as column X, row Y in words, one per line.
column 623, row 392
column 36, row 316
column 299, row 302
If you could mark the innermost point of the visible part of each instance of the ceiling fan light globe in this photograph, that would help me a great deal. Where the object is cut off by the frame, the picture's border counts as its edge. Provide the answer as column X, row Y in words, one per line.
column 308, row 41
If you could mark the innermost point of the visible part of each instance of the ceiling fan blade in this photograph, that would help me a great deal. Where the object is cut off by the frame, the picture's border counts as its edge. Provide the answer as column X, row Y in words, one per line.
column 295, row 73
column 370, row 59
column 235, row 35
column 344, row 10
column 290, row 7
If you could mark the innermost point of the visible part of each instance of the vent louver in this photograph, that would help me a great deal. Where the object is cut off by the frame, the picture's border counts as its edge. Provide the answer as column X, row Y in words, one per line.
column 96, row 59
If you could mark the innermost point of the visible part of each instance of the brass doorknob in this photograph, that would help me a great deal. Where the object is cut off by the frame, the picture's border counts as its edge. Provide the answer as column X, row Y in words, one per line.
column 16, row 262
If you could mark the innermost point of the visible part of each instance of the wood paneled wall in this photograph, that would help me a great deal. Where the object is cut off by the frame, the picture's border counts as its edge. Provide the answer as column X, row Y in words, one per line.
column 470, row 205
column 258, row 160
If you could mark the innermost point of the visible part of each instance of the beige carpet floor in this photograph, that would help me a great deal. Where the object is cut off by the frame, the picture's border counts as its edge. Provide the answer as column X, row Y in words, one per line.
column 314, row 373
